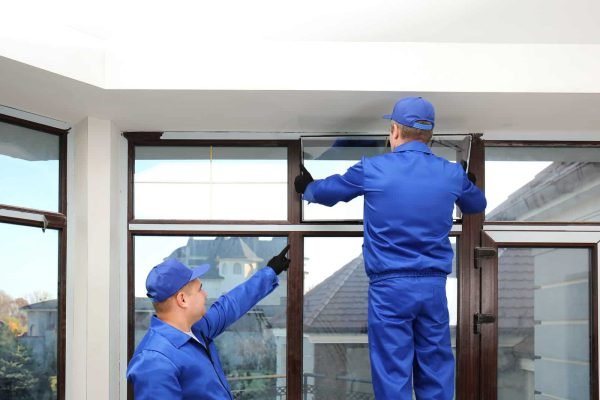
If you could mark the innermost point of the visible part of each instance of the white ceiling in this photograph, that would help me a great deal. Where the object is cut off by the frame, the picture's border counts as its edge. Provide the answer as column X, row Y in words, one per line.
column 566, row 116
column 534, row 75
column 435, row 21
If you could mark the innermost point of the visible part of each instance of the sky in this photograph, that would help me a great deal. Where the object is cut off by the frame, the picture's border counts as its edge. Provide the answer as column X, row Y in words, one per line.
column 28, row 256
column 28, row 261
column 512, row 175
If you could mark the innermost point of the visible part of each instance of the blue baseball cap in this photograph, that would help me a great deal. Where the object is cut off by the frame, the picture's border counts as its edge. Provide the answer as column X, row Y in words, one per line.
column 408, row 110
column 168, row 277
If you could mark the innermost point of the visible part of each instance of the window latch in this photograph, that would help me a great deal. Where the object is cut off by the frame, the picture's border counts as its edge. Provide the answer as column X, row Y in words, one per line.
column 26, row 216
column 480, row 319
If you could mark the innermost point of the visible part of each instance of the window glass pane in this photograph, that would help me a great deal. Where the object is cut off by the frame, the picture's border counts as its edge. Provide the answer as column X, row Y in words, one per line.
column 28, row 312
column 218, row 183
column 252, row 350
column 28, row 168
column 336, row 355
column 325, row 156
column 543, row 323
column 542, row 184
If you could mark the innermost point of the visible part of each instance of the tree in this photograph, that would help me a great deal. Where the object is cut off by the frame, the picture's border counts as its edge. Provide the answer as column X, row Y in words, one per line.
column 27, row 370
column 11, row 313
column 17, row 380
column 9, row 306
column 15, row 325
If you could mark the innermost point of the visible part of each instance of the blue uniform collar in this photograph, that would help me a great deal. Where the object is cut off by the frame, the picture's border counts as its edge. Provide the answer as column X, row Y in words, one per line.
column 172, row 334
column 414, row 145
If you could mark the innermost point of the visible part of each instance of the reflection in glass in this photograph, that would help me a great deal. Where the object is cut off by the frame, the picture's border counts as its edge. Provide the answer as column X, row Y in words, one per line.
column 325, row 156
column 542, row 184
column 28, row 313
column 218, row 183
column 28, row 168
column 252, row 350
column 543, row 323
column 335, row 350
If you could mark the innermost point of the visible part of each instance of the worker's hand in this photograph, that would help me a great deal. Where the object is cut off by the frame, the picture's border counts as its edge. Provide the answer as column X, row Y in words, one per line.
column 302, row 180
column 280, row 262
column 472, row 177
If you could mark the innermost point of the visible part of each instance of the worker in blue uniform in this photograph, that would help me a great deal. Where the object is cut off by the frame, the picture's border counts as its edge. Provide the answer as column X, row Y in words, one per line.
column 409, row 196
column 177, row 358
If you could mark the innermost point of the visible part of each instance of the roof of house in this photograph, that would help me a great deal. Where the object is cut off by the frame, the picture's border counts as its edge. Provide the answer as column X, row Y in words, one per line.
column 515, row 288
column 47, row 305
column 339, row 303
column 550, row 192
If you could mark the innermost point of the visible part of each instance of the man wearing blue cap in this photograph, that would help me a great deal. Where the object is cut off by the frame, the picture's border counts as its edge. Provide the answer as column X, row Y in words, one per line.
column 409, row 196
column 177, row 358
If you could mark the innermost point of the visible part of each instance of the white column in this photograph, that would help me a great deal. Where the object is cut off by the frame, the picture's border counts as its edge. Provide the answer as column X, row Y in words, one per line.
column 96, row 262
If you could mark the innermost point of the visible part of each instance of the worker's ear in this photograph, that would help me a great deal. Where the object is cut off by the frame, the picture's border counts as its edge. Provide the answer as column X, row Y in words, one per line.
column 395, row 131
column 180, row 299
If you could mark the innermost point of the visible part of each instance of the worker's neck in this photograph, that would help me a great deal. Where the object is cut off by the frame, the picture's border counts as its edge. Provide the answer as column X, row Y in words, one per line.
column 176, row 321
column 400, row 142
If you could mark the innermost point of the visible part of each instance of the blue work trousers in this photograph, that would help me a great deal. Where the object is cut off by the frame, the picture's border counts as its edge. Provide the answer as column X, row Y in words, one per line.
column 409, row 338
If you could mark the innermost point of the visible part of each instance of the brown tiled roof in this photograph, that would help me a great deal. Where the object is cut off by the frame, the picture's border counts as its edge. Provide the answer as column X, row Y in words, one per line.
column 339, row 303
column 515, row 288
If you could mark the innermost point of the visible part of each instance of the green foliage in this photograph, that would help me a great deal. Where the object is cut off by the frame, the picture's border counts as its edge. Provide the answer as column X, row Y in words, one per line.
column 24, row 372
column 53, row 384
column 16, row 368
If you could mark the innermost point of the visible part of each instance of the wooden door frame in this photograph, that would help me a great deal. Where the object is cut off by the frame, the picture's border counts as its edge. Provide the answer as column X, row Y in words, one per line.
column 488, row 359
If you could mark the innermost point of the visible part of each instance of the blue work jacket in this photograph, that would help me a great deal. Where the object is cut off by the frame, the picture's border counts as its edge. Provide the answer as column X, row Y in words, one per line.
column 168, row 364
column 409, row 196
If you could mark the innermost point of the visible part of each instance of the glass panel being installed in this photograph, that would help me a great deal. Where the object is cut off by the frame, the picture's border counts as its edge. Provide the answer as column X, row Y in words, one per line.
column 543, row 323
column 211, row 183
column 335, row 350
column 252, row 350
column 28, row 313
column 28, row 168
column 324, row 156
column 542, row 184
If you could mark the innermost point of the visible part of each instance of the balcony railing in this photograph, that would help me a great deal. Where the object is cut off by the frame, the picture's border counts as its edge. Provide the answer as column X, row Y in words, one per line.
column 315, row 387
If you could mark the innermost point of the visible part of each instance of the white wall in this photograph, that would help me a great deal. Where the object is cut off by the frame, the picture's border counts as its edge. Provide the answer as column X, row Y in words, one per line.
column 96, row 261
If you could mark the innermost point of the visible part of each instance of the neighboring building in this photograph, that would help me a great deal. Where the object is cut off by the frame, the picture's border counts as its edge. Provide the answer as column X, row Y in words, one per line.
column 543, row 292
column 335, row 334
column 40, row 338
column 232, row 260
column 563, row 191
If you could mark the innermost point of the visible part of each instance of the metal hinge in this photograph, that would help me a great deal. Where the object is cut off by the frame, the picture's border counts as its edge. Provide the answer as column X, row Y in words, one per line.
column 484, row 252
column 479, row 319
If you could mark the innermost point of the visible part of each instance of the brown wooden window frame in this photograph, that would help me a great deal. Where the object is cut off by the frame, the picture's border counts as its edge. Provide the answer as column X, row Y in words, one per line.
column 468, row 236
column 296, row 236
column 56, row 221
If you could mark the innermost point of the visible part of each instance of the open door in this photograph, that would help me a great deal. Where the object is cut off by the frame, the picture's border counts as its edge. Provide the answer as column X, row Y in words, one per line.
column 537, row 323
